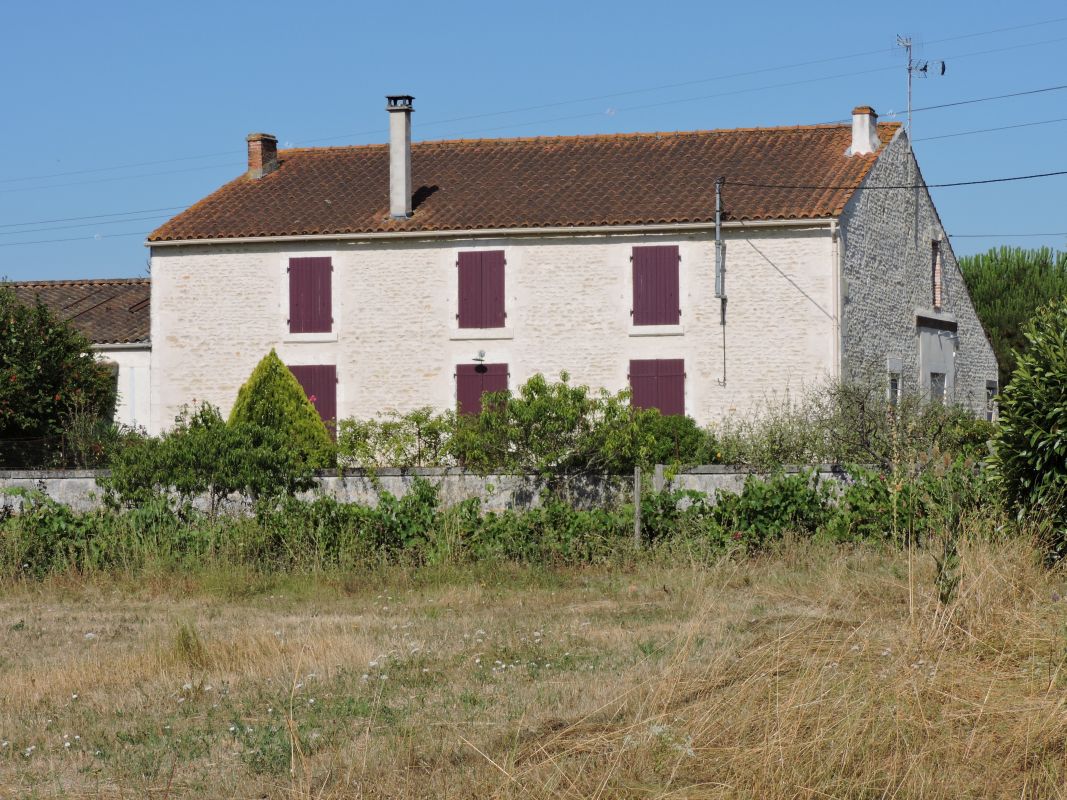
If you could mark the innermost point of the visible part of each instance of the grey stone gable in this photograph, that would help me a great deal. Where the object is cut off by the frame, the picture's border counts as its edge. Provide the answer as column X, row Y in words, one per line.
column 887, row 283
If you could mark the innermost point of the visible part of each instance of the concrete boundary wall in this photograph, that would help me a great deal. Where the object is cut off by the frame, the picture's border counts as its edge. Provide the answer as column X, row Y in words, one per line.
column 79, row 489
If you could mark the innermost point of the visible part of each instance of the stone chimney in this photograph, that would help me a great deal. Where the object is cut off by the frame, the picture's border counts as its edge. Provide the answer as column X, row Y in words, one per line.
column 399, row 108
column 864, row 131
column 262, row 154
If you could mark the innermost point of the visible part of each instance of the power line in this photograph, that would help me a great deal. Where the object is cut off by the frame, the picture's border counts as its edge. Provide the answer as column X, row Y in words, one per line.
column 989, row 130
column 1001, row 235
column 983, row 181
column 82, row 225
column 91, row 216
column 76, row 238
column 556, row 104
column 112, row 180
column 992, row 97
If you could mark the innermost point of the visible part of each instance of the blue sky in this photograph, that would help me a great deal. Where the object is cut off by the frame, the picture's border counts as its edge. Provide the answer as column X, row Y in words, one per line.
column 143, row 107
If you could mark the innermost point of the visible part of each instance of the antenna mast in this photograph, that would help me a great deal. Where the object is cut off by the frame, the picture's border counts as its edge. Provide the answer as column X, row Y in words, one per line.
column 922, row 67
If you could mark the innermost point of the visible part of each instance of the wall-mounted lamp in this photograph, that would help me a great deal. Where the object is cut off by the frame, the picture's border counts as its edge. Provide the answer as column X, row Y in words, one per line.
column 480, row 358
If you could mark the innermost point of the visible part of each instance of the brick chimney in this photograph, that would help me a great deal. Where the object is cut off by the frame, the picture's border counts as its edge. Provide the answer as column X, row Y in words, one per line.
column 399, row 108
column 262, row 154
column 864, row 132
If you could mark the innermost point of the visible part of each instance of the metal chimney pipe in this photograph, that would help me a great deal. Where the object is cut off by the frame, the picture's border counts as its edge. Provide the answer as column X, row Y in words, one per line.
column 399, row 107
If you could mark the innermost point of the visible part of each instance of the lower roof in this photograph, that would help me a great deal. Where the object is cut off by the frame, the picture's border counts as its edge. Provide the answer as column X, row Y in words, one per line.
column 106, row 311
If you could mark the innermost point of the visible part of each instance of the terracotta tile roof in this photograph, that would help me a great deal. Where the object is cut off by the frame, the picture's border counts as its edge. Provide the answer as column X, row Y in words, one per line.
column 109, row 311
column 571, row 181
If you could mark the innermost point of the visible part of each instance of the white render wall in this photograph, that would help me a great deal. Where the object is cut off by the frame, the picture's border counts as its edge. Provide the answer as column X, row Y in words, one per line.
column 217, row 309
column 134, row 405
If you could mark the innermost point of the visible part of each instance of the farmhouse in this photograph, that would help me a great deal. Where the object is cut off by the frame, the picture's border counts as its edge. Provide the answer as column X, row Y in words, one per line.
column 114, row 315
column 705, row 270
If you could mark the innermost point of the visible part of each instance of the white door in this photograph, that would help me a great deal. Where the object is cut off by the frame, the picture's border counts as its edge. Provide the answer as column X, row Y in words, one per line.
column 937, row 364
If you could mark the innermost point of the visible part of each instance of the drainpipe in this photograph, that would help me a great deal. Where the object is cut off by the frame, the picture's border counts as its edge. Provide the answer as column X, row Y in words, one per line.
column 720, row 271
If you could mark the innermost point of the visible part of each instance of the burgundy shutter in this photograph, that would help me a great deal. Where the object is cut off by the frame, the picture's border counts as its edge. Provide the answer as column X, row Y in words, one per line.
column 670, row 380
column 320, row 385
column 658, row 383
column 481, row 289
column 470, row 290
column 310, row 295
column 473, row 380
column 655, row 279
column 643, row 383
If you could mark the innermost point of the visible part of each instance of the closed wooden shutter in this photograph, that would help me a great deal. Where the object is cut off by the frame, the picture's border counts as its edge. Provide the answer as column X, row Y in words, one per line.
column 481, row 289
column 320, row 385
column 310, row 295
column 658, row 383
column 655, row 279
column 474, row 380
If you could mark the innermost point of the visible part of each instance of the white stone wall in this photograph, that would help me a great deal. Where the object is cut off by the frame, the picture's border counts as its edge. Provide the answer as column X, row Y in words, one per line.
column 217, row 309
column 887, row 267
column 134, row 405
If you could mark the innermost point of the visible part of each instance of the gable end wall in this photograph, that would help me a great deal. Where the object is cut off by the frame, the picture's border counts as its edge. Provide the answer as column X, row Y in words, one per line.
column 887, row 237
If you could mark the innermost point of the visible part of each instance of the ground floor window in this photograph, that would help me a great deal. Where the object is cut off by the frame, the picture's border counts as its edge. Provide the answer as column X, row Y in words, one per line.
column 320, row 385
column 658, row 383
column 474, row 380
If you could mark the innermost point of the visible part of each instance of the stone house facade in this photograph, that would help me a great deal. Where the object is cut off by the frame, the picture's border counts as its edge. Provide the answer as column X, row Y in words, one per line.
column 708, row 271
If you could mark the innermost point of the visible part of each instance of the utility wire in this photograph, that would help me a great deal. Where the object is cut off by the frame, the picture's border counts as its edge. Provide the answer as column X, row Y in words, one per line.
column 91, row 216
column 83, row 225
column 1001, row 235
column 558, row 103
column 76, row 238
column 989, row 130
column 981, row 182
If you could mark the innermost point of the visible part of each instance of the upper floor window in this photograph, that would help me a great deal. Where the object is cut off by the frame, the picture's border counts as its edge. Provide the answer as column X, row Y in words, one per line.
column 655, row 279
column 310, row 295
column 935, row 273
column 481, row 289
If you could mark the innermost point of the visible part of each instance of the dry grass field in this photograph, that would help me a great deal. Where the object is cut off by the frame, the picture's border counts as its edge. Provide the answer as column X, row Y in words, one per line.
column 811, row 673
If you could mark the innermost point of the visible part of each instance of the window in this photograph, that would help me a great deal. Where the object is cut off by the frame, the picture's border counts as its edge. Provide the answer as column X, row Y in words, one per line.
column 310, row 295
column 894, row 388
column 320, row 385
column 937, row 387
column 655, row 278
column 992, row 389
column 658, row 383
column 474, row 380
column 935, row 273
column 481, row 289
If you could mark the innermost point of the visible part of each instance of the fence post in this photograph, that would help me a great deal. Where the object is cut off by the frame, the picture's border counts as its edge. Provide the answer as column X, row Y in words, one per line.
column 637, row 507
column 657, row 478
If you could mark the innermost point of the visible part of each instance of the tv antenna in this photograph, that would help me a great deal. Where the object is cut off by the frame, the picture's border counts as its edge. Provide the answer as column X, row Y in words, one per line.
column 920, row 68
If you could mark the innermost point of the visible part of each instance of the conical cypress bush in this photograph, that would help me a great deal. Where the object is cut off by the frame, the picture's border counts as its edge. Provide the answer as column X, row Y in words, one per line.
column 273, row 398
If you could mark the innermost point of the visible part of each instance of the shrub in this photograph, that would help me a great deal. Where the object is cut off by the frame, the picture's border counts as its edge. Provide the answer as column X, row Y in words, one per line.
column 272, row 399
column 1030, row 452
column 766, row 509
column 46, row 368
column 201, row 455
column 416, row 439
column 848, row 423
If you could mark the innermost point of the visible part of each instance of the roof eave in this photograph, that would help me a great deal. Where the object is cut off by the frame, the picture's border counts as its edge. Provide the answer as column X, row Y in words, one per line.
column 487, row 233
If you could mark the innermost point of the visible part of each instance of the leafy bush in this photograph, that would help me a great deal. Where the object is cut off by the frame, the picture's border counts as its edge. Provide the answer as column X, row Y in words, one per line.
column 766, row 509
column 272, row 399
column 46, row 368
column 547, row 428
column 848, row 423
column 1030, row 452
column 201, row 455
column 402, row 441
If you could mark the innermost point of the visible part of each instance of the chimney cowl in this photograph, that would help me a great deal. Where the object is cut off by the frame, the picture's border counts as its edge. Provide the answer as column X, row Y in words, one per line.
column 400, row 109
column 262, row 154
column 864, row 132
